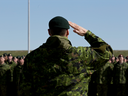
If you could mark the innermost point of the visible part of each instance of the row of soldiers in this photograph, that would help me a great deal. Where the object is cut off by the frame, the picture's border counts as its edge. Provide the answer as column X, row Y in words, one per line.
column 111, row 79
column 10, row 74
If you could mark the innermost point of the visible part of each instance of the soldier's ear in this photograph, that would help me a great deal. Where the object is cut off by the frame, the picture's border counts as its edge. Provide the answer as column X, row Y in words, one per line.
column 49, row 32
column 67, row 33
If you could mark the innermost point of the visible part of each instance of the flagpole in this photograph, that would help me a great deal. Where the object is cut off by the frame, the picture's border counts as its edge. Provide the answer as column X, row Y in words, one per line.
column 28, row 26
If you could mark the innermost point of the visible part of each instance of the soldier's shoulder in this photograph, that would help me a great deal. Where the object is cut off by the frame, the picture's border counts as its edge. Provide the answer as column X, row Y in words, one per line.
column 125, row 63
column 32, row 53
column 6, row 66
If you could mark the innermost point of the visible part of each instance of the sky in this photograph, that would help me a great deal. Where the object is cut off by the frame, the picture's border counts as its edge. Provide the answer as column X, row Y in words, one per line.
column 107, row 19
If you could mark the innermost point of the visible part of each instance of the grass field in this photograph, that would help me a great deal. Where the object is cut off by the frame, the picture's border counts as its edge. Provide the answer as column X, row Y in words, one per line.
column 15, row 53
column 25, row 52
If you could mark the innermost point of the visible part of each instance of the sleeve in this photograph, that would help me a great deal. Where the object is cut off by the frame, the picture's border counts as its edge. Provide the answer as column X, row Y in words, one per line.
column 98, row 54
column 97, row 43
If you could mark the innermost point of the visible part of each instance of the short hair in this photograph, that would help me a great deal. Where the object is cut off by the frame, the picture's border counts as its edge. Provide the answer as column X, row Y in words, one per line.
column 58, row 31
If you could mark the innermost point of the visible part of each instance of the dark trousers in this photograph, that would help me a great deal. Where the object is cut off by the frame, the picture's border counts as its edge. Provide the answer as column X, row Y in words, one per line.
column 120, row 90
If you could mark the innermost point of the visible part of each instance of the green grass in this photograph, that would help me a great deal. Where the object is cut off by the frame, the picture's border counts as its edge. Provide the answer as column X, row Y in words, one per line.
column 118, row 52
column 25, row 52
column 15, row 53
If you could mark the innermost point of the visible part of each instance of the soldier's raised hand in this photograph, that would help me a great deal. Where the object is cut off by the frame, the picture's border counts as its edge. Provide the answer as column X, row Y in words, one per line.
column 78, row 29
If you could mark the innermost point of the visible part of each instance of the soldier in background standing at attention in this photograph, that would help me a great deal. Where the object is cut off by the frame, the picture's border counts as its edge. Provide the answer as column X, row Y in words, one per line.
column 5, row 76
column 120, row 75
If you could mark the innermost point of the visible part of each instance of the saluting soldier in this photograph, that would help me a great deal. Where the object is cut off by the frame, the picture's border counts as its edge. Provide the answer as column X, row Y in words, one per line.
column 5, row 76
column 58, row 69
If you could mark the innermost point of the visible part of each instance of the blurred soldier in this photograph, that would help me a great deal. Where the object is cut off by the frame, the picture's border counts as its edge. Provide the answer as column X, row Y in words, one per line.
column 117, row 59
column 5, row 57
column 21, row 60
column 101, row 81
column 23, row 56
column 18, row 76
column 12, row 65
column 119, row 77
column 113, row 60
column 110, row 61
column 18, row 58
column 9, row 58
column 104, row 79
column 15, row 60
column 5, row 76
column 10, row 61
column 58, row 69
column 126, row 59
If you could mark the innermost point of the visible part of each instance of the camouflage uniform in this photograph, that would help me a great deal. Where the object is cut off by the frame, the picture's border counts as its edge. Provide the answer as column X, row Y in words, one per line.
column 114, row 62
column 12, row 65
column 104, row 80
column 58, row 69
column 17, row 78
column 92, row 88
column 5, row 75
column 120, row 75
column 11, row 89
column 5, row 56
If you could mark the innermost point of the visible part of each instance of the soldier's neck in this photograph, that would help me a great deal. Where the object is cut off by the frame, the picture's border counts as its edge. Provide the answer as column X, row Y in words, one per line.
column 9, row 60
column 121, row 62
column 1, row 63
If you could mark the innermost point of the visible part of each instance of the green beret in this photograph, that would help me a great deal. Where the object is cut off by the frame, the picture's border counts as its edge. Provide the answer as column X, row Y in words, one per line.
column 5, row 54
column 14, row 57
column 58, row 22
column 9, row 54
column 113, row 55
column 1, row 55
column 21, row 57
column 120, row 55
column 18, row 57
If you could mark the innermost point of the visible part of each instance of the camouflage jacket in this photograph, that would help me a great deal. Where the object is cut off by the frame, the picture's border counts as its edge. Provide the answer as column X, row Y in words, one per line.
column 120, row 73
column 58, row 69
column 12, row 65
column 5, row 74
column 17, row 74
column 104, row 74
column 114, row 62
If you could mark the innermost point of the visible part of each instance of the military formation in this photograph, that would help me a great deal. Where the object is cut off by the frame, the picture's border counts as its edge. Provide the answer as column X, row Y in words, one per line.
column 111, row 79
column 10, row 74
column 56, row 68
